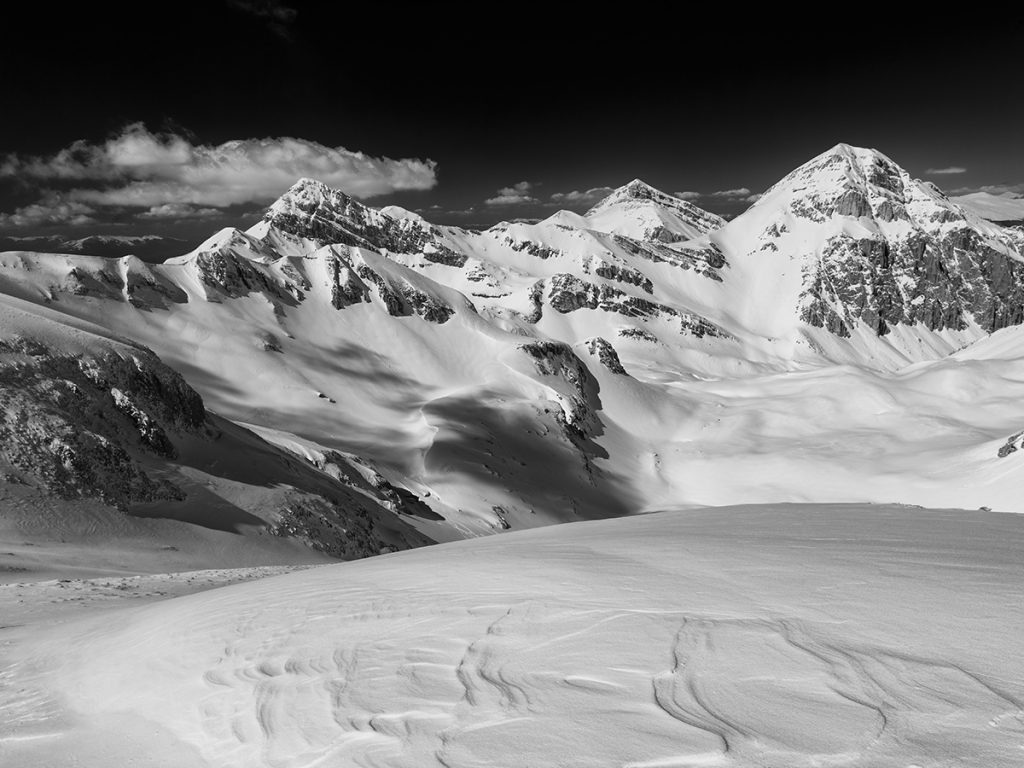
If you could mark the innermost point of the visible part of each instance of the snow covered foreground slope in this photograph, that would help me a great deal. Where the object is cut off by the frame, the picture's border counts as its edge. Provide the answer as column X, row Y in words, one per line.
column 828, row 344
column 777, row 637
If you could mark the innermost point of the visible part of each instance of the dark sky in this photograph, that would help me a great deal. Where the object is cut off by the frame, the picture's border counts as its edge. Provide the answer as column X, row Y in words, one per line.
column 701, row 101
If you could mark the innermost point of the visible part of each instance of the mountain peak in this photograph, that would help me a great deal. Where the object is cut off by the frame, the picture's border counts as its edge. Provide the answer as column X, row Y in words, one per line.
column 306, row 181
column 309, row 188
column 852, row 152
column 878, row 247
column 643, row 212
column 851, row 181
column 637, row 189
column 640, row 189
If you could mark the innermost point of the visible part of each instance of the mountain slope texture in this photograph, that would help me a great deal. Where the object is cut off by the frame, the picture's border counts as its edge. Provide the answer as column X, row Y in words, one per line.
column 854, row 335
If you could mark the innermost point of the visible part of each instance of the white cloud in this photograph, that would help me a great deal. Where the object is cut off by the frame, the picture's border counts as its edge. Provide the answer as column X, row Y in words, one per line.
column 142, row 169
column 52, row 210
column 577, row 197
column 178, row 211
column 517, row 194
column 950, row 171
column 740, row 193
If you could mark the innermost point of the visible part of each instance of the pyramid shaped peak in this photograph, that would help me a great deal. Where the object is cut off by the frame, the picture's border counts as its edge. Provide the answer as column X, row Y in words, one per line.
column 842, row 148
column 860, row 156
column 842, row 168
column 643, row 212
column 857, row 182
column 638, row 189
column 308, row 194
column 307, row 185
column 638, row 186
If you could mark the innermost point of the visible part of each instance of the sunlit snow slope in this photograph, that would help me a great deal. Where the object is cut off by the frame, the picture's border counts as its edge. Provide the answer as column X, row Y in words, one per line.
column 768, row 637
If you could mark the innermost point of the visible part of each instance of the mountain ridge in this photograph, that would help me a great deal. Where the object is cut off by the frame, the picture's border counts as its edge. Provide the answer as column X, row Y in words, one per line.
column 585, row 366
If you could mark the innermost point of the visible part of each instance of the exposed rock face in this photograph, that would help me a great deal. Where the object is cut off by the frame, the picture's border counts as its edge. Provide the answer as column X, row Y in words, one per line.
column 536, row 296
column 402, row 298
column 624, row 275
column 146, row 290
column 704, row 258
column 938, row 281
column 538, row 250
column 431, row 309
column 232, row 275
column 639, row 334
column 328, row 216
column 606, row 354
column 1012, row 445
column 391, row 298
column 568, row 293
column 78, row 425
column 556, row 359
column 346, row 288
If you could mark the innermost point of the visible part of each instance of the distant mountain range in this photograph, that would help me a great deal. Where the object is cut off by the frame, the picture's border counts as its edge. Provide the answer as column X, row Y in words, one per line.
column 150, row 248
column 1006, row 209
column 837, row 341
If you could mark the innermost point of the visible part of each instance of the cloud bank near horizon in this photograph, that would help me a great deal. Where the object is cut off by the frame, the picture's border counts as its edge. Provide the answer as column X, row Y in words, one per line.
column 167, row 174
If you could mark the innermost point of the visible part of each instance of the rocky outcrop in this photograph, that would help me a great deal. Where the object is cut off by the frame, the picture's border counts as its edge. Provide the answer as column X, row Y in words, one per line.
column 638, row 334
column 391, row 298
column 233, row 276
column 556, row 359
column 430, row 308
column 940, row 280
column 852, row 203
column 1012, row 445
column 704, row 258
column 568, row 293
column 346, row 287
column 536, row 298
column 606, row 354
column 623, row 274
column 328, row 216
column 402, row 298
column 538, row 250
column 145, row 290
column 80, row 426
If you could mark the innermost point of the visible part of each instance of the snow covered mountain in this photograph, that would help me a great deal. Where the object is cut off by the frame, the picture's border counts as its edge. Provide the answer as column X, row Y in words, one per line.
column 642, row 212
column 829, row 343
column 874, row 247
